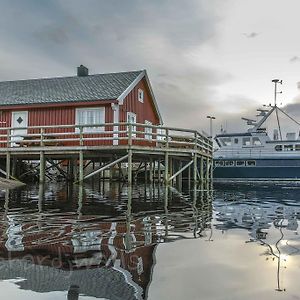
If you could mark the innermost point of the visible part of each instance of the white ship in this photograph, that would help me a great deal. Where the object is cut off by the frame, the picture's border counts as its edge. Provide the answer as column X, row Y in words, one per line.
column 254, row 155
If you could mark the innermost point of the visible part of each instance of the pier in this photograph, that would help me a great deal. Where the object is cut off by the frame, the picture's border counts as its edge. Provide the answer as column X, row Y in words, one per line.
column 126, row 152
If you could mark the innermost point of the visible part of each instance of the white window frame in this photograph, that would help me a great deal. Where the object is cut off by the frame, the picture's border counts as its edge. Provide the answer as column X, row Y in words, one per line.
column 141, row 95
column 91, row 129
column 148, row 130
column 132, row 115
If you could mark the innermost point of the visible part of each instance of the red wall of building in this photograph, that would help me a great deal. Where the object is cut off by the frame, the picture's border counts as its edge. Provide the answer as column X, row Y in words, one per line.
column 144, row 111
column 65, row 115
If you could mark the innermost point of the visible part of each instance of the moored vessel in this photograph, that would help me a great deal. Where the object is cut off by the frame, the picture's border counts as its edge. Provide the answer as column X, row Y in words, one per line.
column 254, row 155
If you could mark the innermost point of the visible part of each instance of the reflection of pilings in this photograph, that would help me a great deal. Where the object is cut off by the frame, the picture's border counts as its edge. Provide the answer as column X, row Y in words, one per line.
column 127, row 239
column 41, row 197
column 73, row 293
column 80, row 200
column 166, row 200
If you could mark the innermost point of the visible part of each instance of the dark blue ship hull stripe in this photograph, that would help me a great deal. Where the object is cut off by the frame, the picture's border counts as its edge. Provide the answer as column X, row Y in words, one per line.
column 267, row 172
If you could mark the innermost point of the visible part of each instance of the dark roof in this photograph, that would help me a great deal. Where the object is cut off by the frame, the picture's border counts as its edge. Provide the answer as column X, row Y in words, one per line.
column 66, row 89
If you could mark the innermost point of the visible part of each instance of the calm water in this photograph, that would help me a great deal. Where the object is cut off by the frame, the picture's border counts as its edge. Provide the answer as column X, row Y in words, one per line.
column 110, row 242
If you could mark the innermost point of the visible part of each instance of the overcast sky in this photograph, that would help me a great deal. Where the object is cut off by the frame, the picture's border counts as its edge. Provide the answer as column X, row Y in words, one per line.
column 204, row 57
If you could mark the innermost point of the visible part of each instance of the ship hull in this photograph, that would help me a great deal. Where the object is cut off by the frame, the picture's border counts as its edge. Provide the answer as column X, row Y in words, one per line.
column 260, row 169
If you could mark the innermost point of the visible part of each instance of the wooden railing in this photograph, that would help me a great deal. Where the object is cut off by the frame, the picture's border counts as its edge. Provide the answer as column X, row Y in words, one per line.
column 104, row 134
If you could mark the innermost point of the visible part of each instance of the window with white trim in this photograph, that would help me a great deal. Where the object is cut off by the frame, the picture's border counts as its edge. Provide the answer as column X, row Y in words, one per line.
column 148, row 130
column 141, row 95
column 90, row 116
column 131, row 118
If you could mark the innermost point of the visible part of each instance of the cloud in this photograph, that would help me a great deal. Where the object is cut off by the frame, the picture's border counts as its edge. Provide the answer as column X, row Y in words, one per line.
column 251, row 35
column 294, row 59
column 116, row 35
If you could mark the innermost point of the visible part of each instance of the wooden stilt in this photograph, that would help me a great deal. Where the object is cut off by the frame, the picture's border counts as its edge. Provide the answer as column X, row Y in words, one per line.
column 14, row 166
column 42, row 167
column 195, row 168
column 166, row 174
column 201, row 168
column 129, row 167
column 207, row 169
column 8, row 156
column 151, row 171
column 158, row 171
column 80, row 166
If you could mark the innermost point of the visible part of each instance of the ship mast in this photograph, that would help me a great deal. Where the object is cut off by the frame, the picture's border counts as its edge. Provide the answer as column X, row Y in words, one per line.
column 276, row 82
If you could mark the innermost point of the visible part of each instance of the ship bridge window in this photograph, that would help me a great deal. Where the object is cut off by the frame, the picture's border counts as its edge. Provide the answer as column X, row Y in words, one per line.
column 251, row 163
column 297, row 147
column 256, row 141
column 240, row 163
column 288, row 147
column 226, row 141
column 246, row 141
column 278, row 148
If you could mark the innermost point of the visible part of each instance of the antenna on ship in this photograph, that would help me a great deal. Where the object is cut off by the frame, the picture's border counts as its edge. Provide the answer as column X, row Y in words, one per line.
column 276, row 82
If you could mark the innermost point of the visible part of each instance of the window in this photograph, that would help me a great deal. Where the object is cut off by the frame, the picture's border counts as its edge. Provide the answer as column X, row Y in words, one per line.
column 131, row 118
column 288, row 147
column 256, row 141
column 90, row 116
column 141, row 95
column 278, row 148
column 229, row 163
column 297, row 147
column 236, row 141
column 246, row 141
column 226, row 141
column 240, row 163
column 251, row 163
column 148, row 131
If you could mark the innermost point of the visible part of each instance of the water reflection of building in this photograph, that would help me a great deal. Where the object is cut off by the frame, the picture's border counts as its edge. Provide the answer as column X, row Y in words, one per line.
column 76, row 250
column 102, row 259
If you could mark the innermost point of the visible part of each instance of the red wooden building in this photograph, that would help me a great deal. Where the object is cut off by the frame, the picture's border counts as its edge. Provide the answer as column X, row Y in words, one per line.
column 79, row 100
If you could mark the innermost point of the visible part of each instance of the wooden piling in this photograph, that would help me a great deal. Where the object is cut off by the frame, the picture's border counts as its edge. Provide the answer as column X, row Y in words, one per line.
column 8, row 157
column 81, row 166
column 42, row 167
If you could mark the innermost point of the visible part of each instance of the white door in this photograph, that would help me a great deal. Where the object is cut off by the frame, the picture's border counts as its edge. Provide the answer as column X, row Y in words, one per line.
column 131, row 118
column 19, row 120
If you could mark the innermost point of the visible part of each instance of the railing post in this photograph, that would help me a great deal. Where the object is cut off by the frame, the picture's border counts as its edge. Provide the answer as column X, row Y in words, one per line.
column 42, row 137
column 8, row 138
column 130, row 154
column 81, row 136
column 166, row 179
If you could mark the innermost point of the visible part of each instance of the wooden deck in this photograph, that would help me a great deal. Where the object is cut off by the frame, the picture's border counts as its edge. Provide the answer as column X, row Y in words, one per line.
column 104, row 144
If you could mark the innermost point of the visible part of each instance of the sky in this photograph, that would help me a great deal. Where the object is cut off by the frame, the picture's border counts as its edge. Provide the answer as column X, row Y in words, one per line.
column 203, row 57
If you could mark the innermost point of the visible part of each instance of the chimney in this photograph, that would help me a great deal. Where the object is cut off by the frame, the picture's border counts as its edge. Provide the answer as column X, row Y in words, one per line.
column 82, row 71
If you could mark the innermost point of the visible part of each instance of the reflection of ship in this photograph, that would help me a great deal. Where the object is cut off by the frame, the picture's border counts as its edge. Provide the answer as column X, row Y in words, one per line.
column 271, row 222
column 254, row 155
